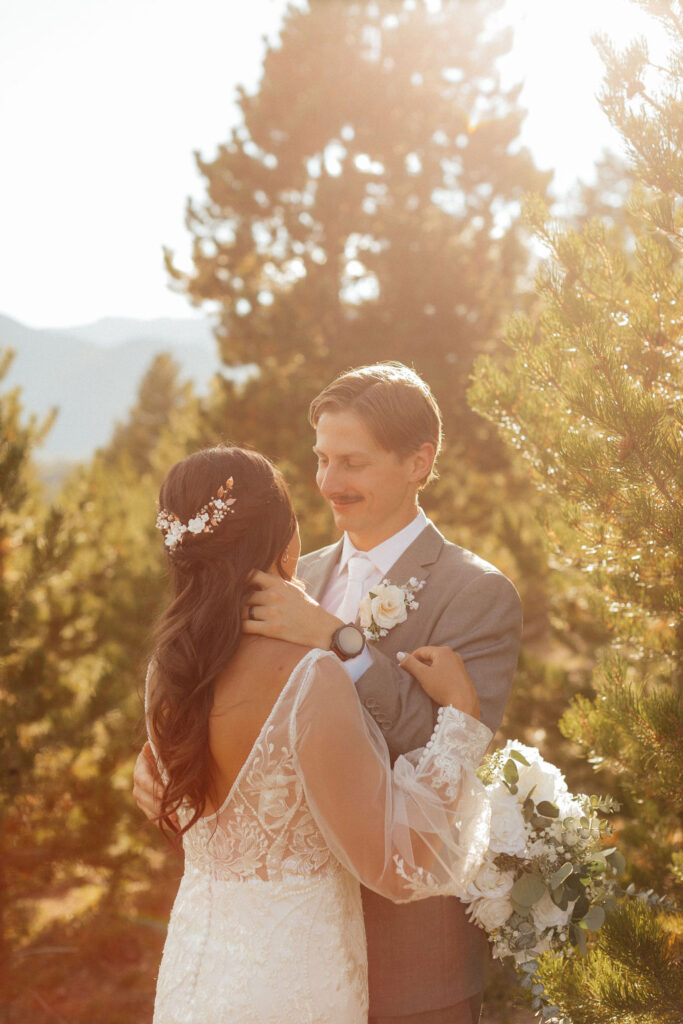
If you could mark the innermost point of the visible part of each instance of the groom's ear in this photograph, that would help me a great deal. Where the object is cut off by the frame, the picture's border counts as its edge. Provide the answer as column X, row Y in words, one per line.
column 421, row 462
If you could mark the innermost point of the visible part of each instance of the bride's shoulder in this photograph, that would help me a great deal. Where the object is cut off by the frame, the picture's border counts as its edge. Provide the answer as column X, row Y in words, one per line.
column 273, row 658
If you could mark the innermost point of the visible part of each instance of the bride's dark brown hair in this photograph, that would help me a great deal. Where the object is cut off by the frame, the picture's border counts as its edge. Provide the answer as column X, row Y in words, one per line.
column 201, row 629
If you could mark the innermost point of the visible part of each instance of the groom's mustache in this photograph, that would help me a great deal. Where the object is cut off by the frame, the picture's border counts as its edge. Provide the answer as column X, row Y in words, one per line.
column 343, row 499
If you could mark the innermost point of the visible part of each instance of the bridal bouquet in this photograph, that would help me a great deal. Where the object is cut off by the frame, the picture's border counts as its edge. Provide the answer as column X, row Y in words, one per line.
column 548, row 874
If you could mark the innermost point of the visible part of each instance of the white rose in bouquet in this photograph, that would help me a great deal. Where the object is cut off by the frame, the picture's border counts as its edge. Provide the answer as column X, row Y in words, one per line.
column 491, row 883
column 388, row 606
column 547, row 914
column 508, row 832
column 544, row 779
column 490, row 914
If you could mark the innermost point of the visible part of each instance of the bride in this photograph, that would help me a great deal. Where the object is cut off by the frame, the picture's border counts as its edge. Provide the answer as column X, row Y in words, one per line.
column 278, row 779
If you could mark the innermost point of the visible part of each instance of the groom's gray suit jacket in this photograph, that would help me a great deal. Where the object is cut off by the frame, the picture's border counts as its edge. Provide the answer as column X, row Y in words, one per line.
column 427, row 955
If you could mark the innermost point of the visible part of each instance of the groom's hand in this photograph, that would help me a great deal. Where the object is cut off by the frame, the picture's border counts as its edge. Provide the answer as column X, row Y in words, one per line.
column 282, row 610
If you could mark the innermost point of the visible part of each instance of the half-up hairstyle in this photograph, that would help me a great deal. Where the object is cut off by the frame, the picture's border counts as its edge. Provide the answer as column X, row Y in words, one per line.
column 200, row 631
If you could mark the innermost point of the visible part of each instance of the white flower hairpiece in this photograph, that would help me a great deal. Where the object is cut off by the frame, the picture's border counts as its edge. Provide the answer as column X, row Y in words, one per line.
column 204, row 521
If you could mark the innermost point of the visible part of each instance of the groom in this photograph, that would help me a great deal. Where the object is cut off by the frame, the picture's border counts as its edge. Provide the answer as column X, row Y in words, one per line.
column 378, row 433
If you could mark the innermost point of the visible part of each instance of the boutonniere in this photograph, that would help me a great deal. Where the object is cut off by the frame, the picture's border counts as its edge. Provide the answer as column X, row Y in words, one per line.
column 386, row 606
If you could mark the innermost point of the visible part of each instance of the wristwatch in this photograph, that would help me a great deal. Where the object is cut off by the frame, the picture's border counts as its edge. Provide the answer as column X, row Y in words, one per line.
column 347, row 642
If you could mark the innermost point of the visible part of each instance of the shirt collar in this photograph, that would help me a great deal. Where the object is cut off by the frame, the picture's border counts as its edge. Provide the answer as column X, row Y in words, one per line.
column 386, row 554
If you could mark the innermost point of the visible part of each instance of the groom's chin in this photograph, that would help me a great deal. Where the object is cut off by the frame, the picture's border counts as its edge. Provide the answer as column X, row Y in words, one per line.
column 342, row 517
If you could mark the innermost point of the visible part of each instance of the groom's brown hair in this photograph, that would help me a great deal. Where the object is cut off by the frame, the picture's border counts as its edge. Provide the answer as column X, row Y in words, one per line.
column 395, row 403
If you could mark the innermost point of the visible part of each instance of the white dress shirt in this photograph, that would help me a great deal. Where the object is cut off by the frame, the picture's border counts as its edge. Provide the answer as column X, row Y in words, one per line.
column 383, row 557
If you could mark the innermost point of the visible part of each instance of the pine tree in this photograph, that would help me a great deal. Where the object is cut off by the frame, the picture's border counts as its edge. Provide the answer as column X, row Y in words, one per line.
column 365, row 208
column 80, row 580
column 161, row 398
column 591, row 401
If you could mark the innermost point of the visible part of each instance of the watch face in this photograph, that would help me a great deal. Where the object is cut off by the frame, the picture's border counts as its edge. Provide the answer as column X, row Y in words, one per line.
column 350, row 640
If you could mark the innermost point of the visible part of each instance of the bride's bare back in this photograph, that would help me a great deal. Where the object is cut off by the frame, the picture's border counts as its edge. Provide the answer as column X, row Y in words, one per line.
column 245, row 693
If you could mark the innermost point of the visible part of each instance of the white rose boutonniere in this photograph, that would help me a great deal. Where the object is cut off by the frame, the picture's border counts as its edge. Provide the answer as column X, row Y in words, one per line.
column 386, row 606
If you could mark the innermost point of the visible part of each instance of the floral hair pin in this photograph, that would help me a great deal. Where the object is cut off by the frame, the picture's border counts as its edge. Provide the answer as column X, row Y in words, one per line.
column 205, row 520
column 386, row 606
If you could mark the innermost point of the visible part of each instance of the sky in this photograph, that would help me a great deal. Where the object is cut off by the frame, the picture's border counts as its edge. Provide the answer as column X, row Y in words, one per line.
column 102, row 105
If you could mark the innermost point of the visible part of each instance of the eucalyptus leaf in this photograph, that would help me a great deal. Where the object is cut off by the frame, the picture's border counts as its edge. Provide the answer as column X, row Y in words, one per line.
column 527, row 890
column 573, row 887
column 525, row 941
column 529, row 966
column 560, row 897
column 520, row 910
column 547, row 809
column 519, row 757
column 617, row 860
column 510, row 773
column 594, row 919
column 561, row 875
column 581, row 907
column 538, row 989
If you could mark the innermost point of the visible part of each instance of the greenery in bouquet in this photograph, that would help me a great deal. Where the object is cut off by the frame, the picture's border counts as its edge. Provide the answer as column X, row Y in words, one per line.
column 549, row 874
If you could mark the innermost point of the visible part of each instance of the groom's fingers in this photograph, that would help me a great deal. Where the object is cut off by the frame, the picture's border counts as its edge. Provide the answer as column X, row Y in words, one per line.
column 255, row 627
column 263, row 579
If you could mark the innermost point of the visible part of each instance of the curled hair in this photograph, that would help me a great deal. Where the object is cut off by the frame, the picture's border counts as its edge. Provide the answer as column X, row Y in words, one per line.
column 201, row 629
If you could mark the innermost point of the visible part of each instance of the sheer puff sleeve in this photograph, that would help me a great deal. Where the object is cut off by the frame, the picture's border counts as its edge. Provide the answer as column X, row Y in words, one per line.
column 416, row 831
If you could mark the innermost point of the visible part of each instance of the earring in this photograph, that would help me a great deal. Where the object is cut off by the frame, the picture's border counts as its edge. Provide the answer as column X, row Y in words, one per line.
column 285, row 557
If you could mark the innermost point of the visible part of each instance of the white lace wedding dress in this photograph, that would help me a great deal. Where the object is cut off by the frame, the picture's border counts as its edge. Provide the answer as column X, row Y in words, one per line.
column 267, row 926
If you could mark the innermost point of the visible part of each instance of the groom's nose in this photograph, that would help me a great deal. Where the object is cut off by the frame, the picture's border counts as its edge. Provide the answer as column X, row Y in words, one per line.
column 329, row 481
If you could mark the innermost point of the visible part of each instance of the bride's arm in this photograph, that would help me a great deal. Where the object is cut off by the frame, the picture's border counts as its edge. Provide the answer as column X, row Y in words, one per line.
column 147, row 780
column 415, row 831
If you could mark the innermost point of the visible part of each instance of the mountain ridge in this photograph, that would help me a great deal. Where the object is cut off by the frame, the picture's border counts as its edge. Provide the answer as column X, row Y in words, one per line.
column 91, row 373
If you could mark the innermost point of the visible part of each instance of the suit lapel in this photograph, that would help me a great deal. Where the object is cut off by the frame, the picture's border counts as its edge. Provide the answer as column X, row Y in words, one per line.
column 415, row 561
column 318, row 569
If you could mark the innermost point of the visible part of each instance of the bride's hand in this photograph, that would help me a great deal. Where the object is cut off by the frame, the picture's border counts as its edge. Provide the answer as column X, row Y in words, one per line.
column 441, row 673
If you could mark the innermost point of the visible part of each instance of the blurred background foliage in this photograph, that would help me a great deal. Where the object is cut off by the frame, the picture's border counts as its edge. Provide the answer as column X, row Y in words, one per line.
column 340, row 227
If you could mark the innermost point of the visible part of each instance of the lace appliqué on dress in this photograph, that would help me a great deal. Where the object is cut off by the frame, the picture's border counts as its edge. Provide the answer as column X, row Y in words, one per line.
column 457, row 742
column 448, row 761
column 264, row 829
